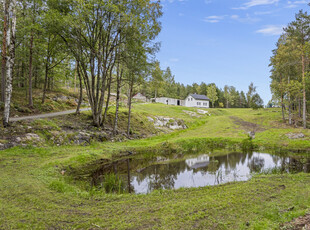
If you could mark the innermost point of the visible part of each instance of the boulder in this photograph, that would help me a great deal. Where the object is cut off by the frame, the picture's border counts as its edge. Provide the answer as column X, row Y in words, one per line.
column 32, row 137
column 295, row 135
column 252, row 134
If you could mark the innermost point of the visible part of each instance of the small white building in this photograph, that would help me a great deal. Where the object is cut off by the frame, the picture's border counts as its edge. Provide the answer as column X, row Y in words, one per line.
column 139, row 97
column 196, row 100
column 169, row 101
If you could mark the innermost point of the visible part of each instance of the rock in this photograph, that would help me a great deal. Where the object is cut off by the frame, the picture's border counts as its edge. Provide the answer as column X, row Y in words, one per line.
column 18, row 139
column 191, row 113
column 252, row 134
column 200, row 111
column 175, row 126
column 60, row 98
column 32, row 137
column 82, row 138
column 295, row 135
column 2, row 146
column 150, row 119
column 169, row 123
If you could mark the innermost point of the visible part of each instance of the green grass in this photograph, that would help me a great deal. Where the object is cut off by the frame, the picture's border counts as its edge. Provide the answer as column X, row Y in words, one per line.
column 35, row 195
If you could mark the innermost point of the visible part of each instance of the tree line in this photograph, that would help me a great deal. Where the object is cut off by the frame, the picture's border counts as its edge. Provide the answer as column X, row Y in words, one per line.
column 161, row 83
column 290, row 70
column 98, row 45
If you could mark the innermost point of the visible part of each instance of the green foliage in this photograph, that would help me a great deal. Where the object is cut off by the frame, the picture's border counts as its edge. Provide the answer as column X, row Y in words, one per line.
column 113, row 184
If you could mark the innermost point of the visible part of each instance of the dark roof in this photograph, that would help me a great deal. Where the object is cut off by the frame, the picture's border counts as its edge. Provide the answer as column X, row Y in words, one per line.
column 200, row 97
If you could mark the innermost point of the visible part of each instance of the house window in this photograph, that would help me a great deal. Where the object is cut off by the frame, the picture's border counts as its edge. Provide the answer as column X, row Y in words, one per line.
column 198, row 103
column 188, row 99
column 205, row 104
column 191, row 99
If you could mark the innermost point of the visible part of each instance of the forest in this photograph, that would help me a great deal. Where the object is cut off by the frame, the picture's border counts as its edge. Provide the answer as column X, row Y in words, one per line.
column 290, row 70
column 98, row 47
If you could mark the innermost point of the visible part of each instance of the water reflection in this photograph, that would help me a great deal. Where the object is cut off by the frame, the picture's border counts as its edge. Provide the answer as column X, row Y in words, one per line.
column 204, row 170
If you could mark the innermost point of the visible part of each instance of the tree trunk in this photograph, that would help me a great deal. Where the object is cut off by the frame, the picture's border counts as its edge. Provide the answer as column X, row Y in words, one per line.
column 283, row 109
column 129, row 106
column 46, row 70
column 299, row 107
column 30, row 101
column 75, row 72
column 108, row 100
column 4, row 49
column 304, row 118
column 289, row 106
column 10, row 41
column 81, row 90
column 118, row 92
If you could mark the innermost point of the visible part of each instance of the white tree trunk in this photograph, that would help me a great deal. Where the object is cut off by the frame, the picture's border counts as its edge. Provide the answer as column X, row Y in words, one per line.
column 10, row 39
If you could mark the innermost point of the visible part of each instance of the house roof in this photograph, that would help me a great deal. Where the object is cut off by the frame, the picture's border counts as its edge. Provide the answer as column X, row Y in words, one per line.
column 200, row 97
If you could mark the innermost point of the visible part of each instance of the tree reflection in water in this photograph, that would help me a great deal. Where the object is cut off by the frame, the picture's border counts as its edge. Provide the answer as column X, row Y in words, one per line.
column 206, row 170
column 200, row 170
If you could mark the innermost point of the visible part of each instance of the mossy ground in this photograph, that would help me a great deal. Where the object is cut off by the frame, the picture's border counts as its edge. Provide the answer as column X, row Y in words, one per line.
column 37, row 191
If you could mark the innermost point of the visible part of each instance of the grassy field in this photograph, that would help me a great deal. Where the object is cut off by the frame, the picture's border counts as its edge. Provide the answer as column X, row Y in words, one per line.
column 38, row 192
column 234, row 124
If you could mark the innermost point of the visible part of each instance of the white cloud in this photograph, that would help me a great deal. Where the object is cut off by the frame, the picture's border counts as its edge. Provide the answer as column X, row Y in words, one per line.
column 234, row 16
column 271, row 30
column 253, row 3
column 246, row 19
column 293, row 4
column 263, row 12
column 214, row 18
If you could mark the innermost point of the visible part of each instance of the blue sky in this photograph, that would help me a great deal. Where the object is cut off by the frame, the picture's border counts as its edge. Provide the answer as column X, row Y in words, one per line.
column 226, row 42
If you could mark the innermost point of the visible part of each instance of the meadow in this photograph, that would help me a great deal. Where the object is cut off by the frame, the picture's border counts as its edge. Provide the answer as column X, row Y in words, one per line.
column 39, row 190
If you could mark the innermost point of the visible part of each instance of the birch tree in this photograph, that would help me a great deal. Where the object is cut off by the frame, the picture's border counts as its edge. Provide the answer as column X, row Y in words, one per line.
column 10, row 14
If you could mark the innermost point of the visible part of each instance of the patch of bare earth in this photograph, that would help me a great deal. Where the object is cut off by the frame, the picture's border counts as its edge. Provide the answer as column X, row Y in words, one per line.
column 247, row 126
column 300, row 223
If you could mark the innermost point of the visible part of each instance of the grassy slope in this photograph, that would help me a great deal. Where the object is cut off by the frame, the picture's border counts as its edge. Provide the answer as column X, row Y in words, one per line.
column 34, row 194
column 19, row 105
column 271, row 132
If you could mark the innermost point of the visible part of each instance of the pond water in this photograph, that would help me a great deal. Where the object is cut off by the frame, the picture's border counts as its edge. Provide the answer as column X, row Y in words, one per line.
column 203, row 170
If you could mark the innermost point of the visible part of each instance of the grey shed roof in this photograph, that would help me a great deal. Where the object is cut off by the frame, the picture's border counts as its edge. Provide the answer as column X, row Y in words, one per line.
column 200, row 97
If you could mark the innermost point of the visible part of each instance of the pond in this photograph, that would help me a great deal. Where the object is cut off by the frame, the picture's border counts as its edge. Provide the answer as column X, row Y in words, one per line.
column 202, row 170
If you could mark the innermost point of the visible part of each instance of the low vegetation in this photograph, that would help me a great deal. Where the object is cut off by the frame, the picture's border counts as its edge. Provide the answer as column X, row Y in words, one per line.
column 38, row 179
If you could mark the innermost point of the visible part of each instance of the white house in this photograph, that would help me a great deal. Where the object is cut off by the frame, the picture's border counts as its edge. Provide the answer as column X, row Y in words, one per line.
column 192, row 100
column 196, row 100
column 199, row 162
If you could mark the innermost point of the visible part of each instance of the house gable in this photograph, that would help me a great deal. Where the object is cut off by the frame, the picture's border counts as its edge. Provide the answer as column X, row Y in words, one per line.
column 196, row 100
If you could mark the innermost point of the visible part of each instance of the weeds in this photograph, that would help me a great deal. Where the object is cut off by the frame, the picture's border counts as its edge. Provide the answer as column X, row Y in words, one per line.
column 113, row 184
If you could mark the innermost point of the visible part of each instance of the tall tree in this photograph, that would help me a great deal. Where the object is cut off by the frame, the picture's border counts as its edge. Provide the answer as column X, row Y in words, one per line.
column 299, row 30
column 10, row 58
column 4, row 50
column 212, row 94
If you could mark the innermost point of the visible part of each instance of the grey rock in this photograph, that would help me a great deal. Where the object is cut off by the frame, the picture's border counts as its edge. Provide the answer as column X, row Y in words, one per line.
column 32, row 137
column 295, row 135
column 252, row 134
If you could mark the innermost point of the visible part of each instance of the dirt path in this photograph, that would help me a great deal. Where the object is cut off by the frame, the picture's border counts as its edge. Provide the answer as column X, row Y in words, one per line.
column 247, row 126
column 300, row 223
column 46, row 115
